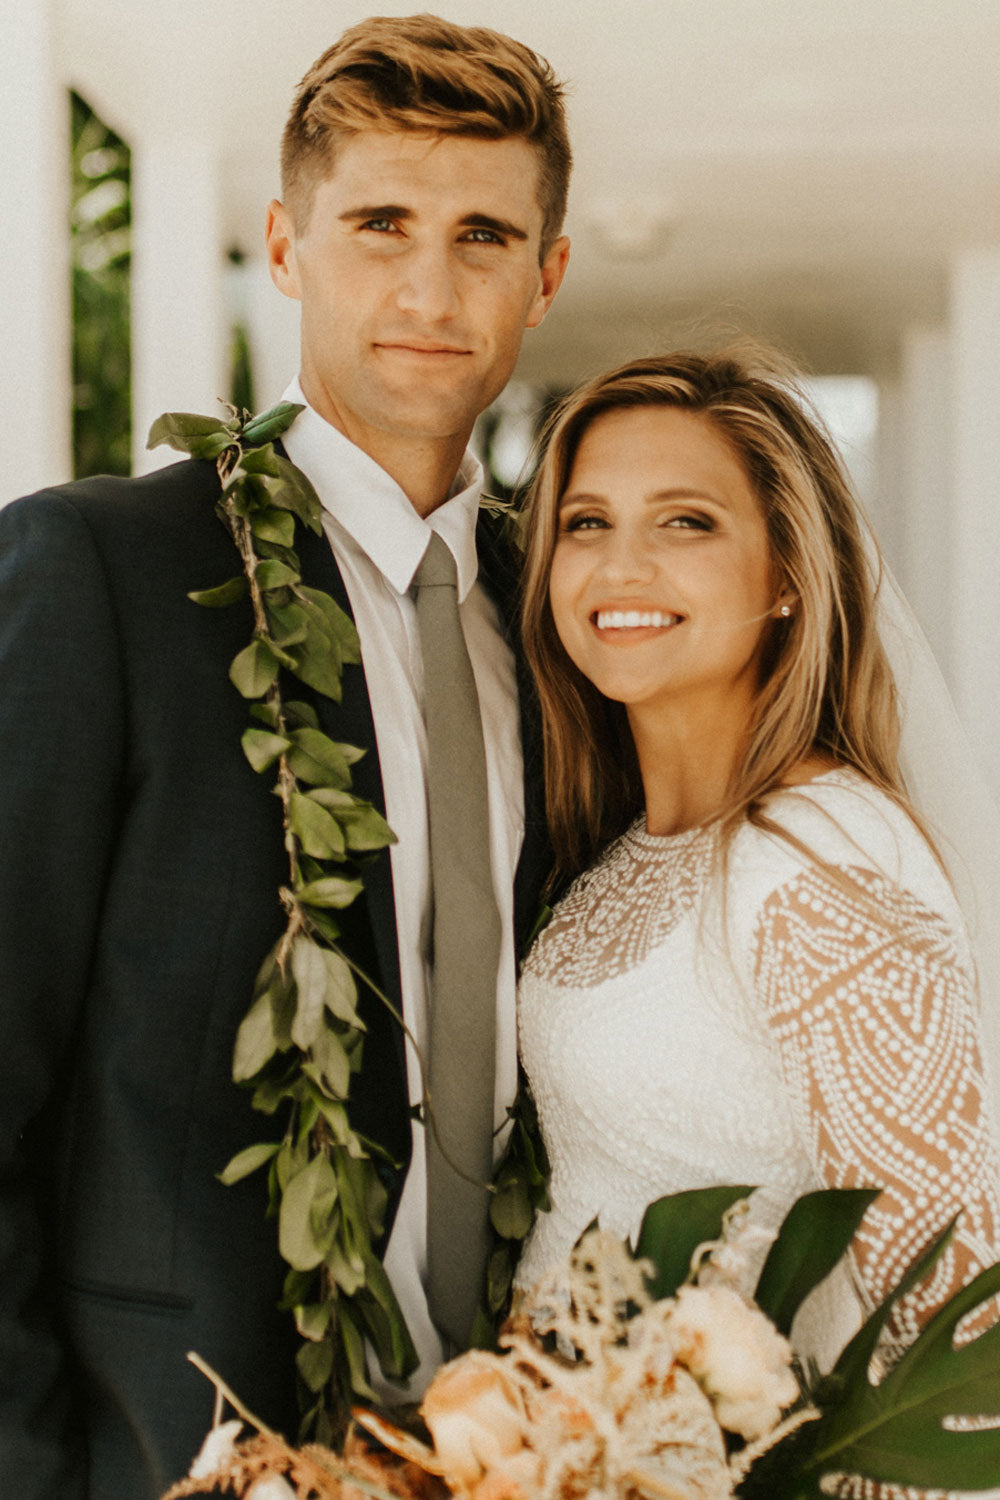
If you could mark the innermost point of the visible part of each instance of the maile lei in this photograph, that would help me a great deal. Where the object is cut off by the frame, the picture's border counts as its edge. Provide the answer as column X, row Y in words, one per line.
column 301, row 1041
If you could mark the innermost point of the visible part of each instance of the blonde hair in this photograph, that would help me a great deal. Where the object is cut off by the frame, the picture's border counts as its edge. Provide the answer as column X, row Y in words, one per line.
column 826, row 686
column 424, row 74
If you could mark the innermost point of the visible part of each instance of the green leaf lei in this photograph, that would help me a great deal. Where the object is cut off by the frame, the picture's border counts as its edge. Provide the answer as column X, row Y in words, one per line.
column 301, row 1041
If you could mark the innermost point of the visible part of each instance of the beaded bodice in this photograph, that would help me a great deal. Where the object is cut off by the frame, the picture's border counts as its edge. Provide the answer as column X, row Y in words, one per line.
column 785, row 1021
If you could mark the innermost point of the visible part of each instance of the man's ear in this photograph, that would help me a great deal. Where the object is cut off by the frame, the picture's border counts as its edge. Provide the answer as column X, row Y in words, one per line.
column 280, row 237
column 553, row 269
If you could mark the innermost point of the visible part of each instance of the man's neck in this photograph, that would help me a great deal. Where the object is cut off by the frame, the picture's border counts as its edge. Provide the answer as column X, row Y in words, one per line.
column 423, row 467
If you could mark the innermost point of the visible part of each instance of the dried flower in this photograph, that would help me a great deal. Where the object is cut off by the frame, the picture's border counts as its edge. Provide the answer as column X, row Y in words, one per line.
column 737, row 1356
column 475, row 1414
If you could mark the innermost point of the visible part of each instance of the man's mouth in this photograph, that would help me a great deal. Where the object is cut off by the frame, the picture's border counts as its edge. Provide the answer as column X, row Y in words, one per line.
column 634, row 619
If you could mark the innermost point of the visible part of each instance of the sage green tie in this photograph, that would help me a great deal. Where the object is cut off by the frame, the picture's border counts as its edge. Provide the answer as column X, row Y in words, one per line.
column 461, row 1047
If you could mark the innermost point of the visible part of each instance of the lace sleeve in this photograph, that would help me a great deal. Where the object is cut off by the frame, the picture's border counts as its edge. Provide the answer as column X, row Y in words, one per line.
column 874, row 1011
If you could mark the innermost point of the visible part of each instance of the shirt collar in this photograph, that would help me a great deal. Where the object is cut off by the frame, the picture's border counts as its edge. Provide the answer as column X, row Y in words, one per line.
column 372, row 508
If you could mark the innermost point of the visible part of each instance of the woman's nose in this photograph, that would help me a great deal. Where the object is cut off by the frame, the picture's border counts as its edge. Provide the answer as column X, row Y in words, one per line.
column 628, row 557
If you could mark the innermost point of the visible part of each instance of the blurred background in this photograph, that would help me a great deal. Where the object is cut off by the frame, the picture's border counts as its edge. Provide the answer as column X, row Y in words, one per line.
column 825, row 176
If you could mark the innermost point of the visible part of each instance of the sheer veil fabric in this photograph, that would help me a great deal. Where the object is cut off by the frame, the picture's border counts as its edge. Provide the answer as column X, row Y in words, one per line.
column 948, row 788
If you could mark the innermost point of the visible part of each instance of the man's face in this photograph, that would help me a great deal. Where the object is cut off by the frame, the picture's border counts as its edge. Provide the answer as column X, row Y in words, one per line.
column 418, row 271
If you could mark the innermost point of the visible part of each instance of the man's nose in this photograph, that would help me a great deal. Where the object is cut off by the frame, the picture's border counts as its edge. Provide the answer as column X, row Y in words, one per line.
column 429, row 287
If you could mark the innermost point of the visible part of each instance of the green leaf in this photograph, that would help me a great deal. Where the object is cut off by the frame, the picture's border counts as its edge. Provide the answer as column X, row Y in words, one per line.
column 353, row 1343
column 815, row 1234
column 314, row 1363
column 272, row 574
column 341, row 991
column 273, row 525
column 328, row 1053
column 349, row 1274
column 270, row 424
column 288, row 623
column 301, row 715
column 247, row 1161
column 674, row 1227
column 262, row 748
column 256, row 1042
column 318, row 833
column 317, row 666
column 339, row 624
column 312, row 1319
column 202, row 437
column 254, row 669
column 226, row 593
column 893, row 1431
column 310, row 984
column 510, row 1211
column 331, row 890
column 386, row 1324
column 304, row 1222
column 365, row 828
column 285, row 486
column 317, row 759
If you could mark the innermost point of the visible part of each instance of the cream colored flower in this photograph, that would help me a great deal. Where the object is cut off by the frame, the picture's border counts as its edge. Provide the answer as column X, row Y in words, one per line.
column 475, row 1415
column 737, row 1356
column 218, row 1450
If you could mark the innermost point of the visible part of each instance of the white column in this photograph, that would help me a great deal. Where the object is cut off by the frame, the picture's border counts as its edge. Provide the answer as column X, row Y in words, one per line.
column 35, row 370
column 925, row 481
column 179, row 332
column 975, row 379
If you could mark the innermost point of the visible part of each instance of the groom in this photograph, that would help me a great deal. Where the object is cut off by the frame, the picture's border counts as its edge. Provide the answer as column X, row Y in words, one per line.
column 424, row 174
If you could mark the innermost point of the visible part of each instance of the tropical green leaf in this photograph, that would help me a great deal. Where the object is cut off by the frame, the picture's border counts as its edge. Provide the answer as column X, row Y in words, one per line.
column 331, row 890
column 262, row 748
column 202, row 437
column 247, row 1161
column 229, row 592
column 894, row 1432
column 270, row 424
column 674, row 1227
column 304, row 1221
column 816, row 1232
column 254, row 669
column 319, row 834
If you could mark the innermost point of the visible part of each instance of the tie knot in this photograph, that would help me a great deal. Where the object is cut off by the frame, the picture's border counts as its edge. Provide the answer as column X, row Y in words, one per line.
column 437, row 567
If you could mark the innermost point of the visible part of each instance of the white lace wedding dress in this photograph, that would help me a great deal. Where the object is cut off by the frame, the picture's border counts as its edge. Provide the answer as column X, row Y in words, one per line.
column 786, row 1029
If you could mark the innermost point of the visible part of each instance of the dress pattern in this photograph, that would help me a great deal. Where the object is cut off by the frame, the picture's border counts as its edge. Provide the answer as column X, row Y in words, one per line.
column 803, row 1016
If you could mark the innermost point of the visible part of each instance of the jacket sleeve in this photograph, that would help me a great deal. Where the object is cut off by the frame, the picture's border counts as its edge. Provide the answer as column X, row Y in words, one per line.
column 61, row 697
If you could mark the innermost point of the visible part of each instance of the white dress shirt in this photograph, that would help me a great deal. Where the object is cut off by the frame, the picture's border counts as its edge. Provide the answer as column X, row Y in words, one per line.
column 378, row 540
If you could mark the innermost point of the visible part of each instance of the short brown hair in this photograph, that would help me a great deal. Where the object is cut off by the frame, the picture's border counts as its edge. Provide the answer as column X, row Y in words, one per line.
column 826, row 683
column 424, row 74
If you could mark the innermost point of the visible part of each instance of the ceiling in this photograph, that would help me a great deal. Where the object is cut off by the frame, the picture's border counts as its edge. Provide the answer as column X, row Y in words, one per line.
column 801, row 169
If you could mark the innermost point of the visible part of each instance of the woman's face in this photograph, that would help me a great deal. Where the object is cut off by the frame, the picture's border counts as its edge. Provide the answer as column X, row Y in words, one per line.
column 662, row 583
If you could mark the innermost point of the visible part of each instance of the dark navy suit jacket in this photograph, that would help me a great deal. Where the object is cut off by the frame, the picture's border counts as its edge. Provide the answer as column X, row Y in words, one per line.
column 140, row 859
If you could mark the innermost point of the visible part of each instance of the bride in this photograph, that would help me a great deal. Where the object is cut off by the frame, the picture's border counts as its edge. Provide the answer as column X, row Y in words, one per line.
column 760, row 972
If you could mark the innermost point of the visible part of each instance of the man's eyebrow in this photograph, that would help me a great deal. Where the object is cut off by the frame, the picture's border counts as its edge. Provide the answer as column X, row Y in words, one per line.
column 375, row 211
column 365, row 212
column 501, row 226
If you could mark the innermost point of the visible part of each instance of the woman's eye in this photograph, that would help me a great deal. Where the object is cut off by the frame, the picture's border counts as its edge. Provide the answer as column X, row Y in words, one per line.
column 583, row 523
column 691, row 523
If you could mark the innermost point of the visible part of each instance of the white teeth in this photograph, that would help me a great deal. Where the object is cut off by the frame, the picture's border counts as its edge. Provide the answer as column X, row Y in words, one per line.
column 633, row 619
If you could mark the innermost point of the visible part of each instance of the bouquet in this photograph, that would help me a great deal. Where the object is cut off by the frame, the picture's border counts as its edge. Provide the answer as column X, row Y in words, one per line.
column 641, row 1373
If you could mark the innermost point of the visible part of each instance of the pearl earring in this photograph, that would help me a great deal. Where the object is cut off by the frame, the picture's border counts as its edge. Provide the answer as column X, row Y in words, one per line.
column 785, row 611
